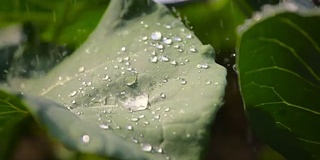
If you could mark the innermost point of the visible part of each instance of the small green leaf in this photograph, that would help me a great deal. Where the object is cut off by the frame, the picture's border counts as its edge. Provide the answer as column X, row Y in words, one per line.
column 144, row 76
column 278, row 63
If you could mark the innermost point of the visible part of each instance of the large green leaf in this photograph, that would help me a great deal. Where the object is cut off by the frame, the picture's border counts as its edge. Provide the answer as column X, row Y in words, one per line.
column 279, row 71
column 142, row 75
column 62, row 124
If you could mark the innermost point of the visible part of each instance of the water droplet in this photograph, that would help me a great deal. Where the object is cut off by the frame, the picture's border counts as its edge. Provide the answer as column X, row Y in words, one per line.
column 141, row 116
column 135, row 140
column 157, row 116
column 168, row 26
column 146, row 147
column 234, row 67
column 164, row 58
column 167, row 41
column 176, row 46
column 123, row 49
column 120, row 60
column 192, row 49
column 85, row 138
column 130, row 128
column 154, row 59
column 153, row 53
column 167, row 109
column 81, row 69
column 208, row 82
column 156, row 35
column 131, row 80
column 134, row 119
column 178, row 39
column 159, row 150
column 144, row 38
column 73, row 93
column 159, row 46
column 106, row 78
column 189, row 36
column 203, row 66
column 174, row 63
column 104, row 126
column 183, row 82
column 163, row 95
column 137, row 103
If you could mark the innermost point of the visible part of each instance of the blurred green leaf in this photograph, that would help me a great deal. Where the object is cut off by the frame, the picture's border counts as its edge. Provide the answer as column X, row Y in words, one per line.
column 144, row 76
column 57, row 21
column 279, row 78
column 215, row 21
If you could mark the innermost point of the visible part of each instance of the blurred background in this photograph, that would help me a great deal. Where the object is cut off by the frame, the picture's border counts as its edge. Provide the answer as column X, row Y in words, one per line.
column 36, row 35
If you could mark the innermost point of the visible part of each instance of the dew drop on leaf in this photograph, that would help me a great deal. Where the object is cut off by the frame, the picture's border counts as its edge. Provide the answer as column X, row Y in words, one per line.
column 123, row 49
column 134, row 119
column 81, row 69
column 130, row 128
column 141, row 116
column 146, row 147
column 174, row 63
column 156, row 35
column 159, row 46
column 163, row 95
column 164, row 58
column 178, row 39
column 167, row 41
column 137, row 103
column 85, row 138
column 73, row 93
column 203, row 66
column 106, row 78
column 104, row 126
column 154, row 59
column 144, row 38
column 131, row 80
column 159, row 150
column 189, row 36
column 183, row 82
column 192, row 49
column 135, row 140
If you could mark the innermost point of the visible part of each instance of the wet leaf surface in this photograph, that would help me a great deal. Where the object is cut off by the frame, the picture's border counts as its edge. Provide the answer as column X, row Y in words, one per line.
column 141, row 75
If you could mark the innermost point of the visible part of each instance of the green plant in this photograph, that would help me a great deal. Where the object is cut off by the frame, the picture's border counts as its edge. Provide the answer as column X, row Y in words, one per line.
column 143, row 86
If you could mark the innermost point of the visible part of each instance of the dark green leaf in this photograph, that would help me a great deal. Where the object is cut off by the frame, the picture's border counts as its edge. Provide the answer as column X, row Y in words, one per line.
column 160, row 95
column 12, row 116
column 279, row 73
